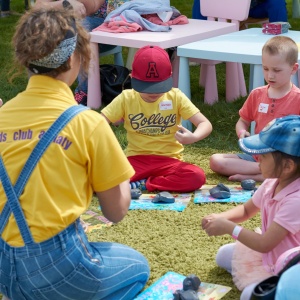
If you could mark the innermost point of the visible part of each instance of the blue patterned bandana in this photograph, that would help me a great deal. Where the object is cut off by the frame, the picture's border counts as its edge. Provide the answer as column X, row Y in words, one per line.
column 57, row 58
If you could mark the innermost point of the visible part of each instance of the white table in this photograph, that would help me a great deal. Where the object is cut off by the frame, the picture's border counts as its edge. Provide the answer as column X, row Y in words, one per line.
column 241, row 46
column 195, row 30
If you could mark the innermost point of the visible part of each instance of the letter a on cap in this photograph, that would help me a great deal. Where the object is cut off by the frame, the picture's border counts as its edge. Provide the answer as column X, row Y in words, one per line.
column 152, row 70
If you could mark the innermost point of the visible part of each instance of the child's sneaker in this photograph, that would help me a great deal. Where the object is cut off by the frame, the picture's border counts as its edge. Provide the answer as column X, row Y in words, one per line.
column 140, row 184
column 81, row 97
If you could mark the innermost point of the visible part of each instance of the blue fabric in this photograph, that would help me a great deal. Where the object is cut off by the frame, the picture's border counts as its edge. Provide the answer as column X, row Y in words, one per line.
column 288, row 286
column 141, row 7
column 275, row 10
column 196, row 14
column 246, row 157
column 66, row 266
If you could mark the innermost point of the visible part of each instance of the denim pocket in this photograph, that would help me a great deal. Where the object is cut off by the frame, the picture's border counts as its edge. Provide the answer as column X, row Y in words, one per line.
column 79, row 284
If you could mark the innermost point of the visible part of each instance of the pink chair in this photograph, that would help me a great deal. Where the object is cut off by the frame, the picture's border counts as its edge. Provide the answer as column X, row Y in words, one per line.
column 223, row 11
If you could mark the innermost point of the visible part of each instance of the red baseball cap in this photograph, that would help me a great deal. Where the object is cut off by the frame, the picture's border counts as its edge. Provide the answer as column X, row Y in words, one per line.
column 151, row 71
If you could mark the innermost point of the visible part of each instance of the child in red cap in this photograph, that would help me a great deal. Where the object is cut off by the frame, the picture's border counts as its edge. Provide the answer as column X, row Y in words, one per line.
column 152, row 113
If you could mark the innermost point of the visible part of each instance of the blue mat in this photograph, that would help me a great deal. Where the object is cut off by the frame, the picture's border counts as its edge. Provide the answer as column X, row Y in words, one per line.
column 144, row 202
column 238, row 195
column 165, row 286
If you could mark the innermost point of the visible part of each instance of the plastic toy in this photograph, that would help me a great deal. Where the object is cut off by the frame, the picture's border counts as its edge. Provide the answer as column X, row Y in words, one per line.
column 191, row 285
column 135, row 193
column 220, row 191
column 248, row 184
column 164, row 197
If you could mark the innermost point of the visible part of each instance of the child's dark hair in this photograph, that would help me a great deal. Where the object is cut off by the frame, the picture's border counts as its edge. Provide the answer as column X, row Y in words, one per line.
column 279, row 157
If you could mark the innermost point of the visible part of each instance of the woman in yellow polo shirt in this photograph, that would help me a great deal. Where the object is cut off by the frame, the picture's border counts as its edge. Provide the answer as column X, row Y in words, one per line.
column 44, row 252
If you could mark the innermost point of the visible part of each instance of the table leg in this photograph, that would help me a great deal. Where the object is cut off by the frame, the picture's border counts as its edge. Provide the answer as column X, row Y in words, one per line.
column 184, row 84
column 94, row 86
column 258, row 76
column 296, row 9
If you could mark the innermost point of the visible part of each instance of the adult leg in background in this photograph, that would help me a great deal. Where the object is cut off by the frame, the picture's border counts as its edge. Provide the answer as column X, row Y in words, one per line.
column 275, row 10
column 89, row 23
column 166, row 173
column 196, row 13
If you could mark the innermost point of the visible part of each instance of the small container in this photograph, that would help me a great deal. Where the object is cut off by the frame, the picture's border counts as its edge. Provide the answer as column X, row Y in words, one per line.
column 276, row 28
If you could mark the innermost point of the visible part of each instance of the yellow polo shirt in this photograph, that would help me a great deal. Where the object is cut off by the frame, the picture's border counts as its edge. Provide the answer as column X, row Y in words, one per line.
column 84, row 157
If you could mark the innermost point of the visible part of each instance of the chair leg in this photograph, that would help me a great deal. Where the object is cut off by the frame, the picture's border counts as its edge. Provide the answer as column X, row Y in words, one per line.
column 211, row 87
column 175, row 68
column 131, row 53
column 118, row 59
column 296, row 9
column 232, row 82
column 203, row 75
column 242, row 83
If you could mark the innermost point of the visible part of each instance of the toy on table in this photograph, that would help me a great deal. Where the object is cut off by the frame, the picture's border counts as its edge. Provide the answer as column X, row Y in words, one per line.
column 191, row 285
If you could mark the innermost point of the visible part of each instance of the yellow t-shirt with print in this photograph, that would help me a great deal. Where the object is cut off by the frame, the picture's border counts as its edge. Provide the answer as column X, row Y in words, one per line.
column 151, row 127
column 84, row 157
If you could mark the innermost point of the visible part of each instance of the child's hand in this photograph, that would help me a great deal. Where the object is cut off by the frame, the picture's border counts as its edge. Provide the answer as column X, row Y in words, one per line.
column 1, row 102
column 243, row 133
column 207, row 219
column 218, row 226
column 184, row 136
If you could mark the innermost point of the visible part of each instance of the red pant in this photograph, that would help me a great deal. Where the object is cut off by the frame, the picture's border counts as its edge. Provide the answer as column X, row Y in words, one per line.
column 166, row 174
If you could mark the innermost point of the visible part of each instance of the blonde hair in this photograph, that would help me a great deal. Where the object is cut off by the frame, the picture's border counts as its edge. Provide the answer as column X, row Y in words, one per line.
column 40, row 31
column 282, row 45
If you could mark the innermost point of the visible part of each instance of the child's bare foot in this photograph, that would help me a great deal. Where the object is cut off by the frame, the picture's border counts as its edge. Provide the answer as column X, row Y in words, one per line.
column 241, row 177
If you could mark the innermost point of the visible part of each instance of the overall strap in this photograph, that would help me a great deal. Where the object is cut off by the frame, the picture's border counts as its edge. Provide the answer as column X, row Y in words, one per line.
column 13, row 192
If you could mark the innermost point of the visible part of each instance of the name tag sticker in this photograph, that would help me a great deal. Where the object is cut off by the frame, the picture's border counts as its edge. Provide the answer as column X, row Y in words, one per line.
column 263, row 108
column 166, row 105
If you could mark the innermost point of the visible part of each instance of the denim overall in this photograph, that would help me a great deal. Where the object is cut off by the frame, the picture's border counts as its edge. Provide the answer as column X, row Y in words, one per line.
column 65, row 266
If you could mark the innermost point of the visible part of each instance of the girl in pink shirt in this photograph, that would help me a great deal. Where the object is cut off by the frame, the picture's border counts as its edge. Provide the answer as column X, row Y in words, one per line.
column 254, row 256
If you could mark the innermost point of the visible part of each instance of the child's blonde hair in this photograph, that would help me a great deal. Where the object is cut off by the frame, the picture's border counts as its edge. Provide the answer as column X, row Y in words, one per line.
column 282, row 45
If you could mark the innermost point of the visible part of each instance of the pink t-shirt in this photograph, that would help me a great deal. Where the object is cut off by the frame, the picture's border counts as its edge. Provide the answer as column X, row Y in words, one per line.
column 283, row 209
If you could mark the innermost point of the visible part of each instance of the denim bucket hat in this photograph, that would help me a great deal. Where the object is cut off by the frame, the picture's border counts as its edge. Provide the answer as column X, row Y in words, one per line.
column 282, row 134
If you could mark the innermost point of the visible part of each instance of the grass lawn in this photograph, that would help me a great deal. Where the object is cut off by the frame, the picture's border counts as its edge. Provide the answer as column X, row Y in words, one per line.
column 171, row 241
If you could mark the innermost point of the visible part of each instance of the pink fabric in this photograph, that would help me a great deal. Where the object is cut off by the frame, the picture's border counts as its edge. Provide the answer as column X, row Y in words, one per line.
column 284, row 210
column 153, row 18
column 119, row 27
column 124, row 26
column 247, row 266
column 167, row 174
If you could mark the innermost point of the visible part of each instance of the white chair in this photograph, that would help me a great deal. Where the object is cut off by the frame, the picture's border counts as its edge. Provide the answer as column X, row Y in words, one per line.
column 233, row 11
